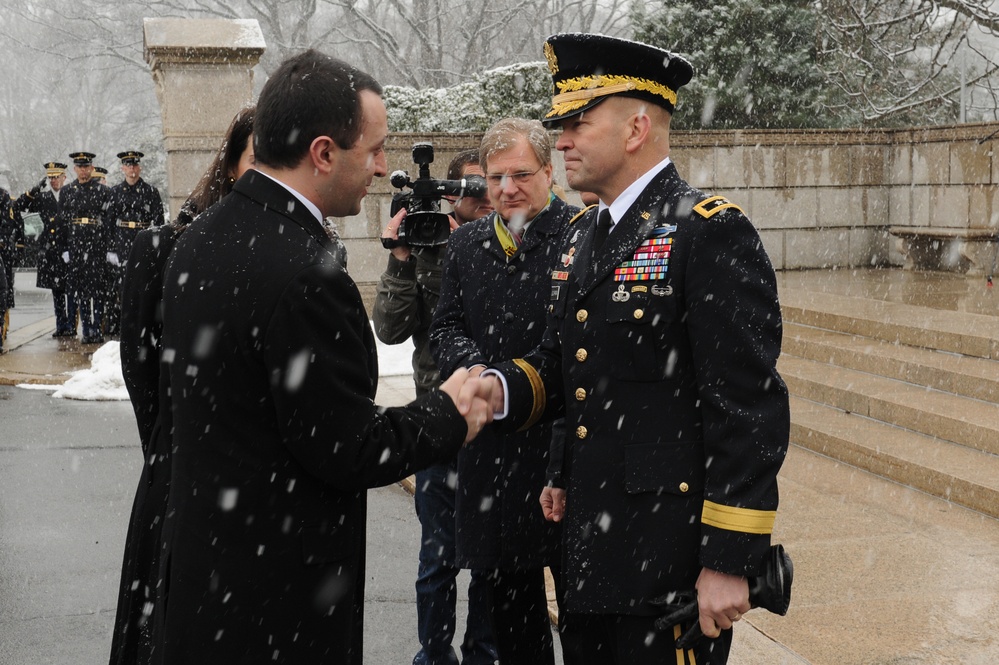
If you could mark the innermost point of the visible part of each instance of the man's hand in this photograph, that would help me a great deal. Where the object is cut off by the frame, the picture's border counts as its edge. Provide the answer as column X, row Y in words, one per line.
column 721, row 599
column 391, row 232
column 473, row 398
column 553, row 503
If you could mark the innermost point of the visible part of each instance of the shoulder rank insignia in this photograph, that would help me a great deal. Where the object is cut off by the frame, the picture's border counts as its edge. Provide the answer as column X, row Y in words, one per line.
column 713, row 205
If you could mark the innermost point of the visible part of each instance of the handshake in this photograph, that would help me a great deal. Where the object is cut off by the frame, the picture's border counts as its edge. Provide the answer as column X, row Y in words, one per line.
column 477, row 398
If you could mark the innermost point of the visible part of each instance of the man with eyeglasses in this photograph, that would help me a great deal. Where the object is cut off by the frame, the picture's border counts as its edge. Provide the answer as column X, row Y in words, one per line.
column 494, row 296
column 53, row 243
column 404, row 306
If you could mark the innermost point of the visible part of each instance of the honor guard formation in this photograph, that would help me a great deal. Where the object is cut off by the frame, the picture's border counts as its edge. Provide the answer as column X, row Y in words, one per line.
column 87, row 232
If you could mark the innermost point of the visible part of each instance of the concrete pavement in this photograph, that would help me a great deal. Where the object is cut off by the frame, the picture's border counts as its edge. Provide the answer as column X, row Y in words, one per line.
column 883, row 573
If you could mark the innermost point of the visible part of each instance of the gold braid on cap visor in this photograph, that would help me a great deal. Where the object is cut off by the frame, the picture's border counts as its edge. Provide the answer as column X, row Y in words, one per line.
column 577, row 92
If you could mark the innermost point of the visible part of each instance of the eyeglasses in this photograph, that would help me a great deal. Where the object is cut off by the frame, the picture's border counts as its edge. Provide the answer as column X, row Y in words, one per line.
column 496, row 179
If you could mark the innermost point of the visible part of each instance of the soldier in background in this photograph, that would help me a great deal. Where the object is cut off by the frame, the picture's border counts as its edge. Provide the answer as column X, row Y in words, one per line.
column 134, row 205
column 101, row 175
column 82, row 209
column 53, row 245
column 11, row 243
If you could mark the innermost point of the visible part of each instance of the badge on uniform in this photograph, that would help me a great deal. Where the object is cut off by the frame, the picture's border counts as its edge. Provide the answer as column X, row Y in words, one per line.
column 650, row 261
column 569, row 257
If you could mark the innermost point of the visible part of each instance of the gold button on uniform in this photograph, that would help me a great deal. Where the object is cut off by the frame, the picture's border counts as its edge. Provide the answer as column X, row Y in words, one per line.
column 684, row 487
column 581, row 315
column 580, row 432
column 580, row 394
column 639, row 313
column 581, row 355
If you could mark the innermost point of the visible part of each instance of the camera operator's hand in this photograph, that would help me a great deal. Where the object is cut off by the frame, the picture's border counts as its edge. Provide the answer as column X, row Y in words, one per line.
column 391, row 231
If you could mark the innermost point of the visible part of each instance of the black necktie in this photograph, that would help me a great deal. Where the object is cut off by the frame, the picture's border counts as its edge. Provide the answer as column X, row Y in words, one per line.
column 603, row 228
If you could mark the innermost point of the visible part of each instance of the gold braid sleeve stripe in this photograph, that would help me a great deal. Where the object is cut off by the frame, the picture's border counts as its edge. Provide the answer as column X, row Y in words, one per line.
column 576, row 92
column 745, row 520
column 537, row 389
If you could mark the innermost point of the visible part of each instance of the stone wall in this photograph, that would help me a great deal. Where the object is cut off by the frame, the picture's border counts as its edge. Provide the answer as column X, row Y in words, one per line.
column 820, row 198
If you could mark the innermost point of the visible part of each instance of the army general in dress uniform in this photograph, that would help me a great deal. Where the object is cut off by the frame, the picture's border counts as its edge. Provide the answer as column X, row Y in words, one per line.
column 660, row 350
column 82, row 209
column 53, row 245
column 134, row 205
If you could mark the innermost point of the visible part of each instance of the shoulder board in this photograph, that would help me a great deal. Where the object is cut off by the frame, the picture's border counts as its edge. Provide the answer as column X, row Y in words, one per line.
column 713, row 205
column 581, row 213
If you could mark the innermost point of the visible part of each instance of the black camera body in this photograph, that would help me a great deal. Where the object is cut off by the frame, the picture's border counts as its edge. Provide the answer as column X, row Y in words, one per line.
column 425, row 225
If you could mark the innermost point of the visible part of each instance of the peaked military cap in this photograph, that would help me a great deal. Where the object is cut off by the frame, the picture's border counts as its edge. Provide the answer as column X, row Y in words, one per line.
column 130, row 156
column 100, row 172
column 586, row 69
column 54, row 169
column 82, row 158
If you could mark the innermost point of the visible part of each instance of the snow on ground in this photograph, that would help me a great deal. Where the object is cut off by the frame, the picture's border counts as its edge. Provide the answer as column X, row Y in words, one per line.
column 103, row 380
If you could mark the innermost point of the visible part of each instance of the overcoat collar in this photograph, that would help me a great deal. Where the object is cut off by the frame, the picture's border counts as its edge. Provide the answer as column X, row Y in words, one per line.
column 630, row 230
column 276, row 199
column 543, row 226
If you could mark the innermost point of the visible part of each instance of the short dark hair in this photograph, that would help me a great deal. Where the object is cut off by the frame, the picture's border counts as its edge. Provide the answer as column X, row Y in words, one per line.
column 310, row 95
column 459, row 161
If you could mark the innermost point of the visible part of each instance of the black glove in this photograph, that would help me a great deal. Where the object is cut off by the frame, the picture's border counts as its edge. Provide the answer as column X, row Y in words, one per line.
column 771, row 591
column 36, row 190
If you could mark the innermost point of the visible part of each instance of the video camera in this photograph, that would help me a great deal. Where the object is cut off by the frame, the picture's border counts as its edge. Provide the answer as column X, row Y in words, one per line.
column 425, row 225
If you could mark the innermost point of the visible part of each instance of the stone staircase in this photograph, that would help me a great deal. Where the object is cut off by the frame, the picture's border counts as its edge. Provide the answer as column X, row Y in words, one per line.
column 908, row 392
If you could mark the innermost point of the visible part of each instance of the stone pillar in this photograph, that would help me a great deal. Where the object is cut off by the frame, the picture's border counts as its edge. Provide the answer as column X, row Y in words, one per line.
column 203, row 69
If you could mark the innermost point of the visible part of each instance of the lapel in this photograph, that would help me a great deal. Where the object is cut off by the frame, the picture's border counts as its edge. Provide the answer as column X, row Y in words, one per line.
column 277, row 200
column 538, row 233
column 543, row 227
column 629, row 232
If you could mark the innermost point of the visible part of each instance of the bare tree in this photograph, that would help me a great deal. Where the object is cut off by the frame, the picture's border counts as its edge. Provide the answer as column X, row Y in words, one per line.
column 907, row 61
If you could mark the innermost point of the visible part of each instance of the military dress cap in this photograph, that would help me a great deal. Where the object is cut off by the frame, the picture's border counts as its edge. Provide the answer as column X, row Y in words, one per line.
column 100, row 172
column 587, row 68
column 130, row 156
column 54, row 169
column 82, row 158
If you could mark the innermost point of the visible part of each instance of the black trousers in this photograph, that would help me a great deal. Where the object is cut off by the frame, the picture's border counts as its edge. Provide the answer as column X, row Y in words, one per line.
column 519, row 610
column 617, row 639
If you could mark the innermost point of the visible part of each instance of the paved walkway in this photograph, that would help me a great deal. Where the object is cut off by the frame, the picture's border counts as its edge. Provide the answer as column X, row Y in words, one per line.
column 883, row 573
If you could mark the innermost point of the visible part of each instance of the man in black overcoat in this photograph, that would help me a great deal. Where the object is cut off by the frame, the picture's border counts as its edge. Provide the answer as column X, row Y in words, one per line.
column 53, row 245
column 494, row 297
column 272, row 371
column 661, row 353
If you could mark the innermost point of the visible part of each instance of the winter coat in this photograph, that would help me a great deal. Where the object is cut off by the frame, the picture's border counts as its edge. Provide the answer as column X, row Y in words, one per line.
column 272, row 370
column 492, row 308
column 141, row 329
column 405, row 300
column 81, row 211
column 131, row 208
column 53, row 241
column 11, row 244
column 661, row 353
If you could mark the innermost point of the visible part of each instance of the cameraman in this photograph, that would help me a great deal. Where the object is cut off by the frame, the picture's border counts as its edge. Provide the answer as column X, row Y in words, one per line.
column 404, row 306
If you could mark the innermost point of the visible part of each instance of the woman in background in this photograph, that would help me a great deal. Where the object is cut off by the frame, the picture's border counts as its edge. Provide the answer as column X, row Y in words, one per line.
column 141, row 327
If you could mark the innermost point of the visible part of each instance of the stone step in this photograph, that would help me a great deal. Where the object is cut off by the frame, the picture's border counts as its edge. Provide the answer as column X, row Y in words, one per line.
column 961, row 420
column 966, row 333
column 953, row 472
column 977, row 378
